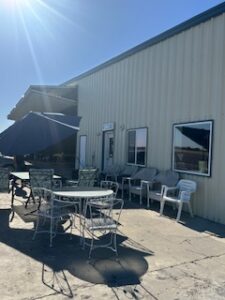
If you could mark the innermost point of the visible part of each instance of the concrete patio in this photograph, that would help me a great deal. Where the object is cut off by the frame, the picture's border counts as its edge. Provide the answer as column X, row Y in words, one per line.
column 158, row 259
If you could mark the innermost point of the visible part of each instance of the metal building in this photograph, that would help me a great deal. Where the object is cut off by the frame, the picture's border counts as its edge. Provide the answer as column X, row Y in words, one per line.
column 162, row 104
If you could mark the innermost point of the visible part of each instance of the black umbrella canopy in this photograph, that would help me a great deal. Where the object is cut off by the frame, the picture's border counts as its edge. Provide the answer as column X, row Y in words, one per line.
column 37, row 131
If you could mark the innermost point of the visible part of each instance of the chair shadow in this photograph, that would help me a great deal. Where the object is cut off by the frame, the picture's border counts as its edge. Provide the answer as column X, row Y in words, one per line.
column 196, row 223
column 67, row 255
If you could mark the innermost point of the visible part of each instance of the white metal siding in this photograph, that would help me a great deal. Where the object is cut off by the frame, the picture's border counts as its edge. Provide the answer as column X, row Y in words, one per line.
column 180, row 79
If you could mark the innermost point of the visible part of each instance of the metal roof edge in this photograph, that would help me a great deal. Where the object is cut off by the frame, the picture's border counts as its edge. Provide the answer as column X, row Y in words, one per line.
column 34, row 86
column 196, row 20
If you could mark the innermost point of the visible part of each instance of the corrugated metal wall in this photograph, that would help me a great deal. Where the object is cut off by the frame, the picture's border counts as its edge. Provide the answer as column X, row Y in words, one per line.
column 180, row 79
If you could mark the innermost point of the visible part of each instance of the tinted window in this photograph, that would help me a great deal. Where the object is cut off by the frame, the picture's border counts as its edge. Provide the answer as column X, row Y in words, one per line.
column 192, row 147
column 137, row 141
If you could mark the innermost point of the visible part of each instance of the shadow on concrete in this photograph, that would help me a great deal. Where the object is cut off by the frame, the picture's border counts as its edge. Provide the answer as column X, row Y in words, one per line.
column 66, row 254
column 196, row 223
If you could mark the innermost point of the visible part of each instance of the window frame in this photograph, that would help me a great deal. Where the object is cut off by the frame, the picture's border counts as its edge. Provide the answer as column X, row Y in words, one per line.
column 127, row 145
column 208, row 174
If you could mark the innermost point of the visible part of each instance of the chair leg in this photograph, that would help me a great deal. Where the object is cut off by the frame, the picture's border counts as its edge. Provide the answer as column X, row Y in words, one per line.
column 140, row 198
column 51, row 231
column 36, row 229
column 129, row 195
column 115, row 243
column 190, row 209
column 91, row 247
column 179, row 211
column 162, row 203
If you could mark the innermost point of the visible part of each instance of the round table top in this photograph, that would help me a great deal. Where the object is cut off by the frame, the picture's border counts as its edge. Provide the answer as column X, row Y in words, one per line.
column 83, row 192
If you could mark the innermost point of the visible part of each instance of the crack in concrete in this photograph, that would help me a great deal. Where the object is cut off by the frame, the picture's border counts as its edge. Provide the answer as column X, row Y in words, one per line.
column 188, row 262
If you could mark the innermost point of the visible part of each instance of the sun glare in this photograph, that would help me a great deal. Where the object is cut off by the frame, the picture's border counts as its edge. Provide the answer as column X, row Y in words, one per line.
column 15, row 3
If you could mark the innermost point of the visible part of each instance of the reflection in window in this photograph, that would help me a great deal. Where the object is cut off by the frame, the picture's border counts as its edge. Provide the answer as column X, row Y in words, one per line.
column 192, row 147
column 137, row 141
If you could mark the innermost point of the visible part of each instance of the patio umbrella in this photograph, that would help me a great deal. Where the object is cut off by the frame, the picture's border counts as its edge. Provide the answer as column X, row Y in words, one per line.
column 37, row 131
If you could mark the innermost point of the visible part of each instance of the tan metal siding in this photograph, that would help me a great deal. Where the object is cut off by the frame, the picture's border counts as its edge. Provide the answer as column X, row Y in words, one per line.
column 178, row 80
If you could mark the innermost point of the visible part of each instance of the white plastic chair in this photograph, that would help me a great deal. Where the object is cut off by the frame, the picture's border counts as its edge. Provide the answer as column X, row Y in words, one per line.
column 138, row 184
column 183, row 192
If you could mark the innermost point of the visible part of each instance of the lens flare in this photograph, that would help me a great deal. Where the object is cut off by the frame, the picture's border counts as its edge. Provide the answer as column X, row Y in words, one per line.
column 14, row 3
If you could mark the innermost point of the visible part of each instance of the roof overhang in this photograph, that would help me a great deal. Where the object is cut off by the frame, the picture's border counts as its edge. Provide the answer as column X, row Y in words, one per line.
column 54, row 99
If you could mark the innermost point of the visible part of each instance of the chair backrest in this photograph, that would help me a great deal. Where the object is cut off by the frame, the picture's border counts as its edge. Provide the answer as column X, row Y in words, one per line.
column 168, row 178
column 87, row 177
column 129, row 171
column 4, row 179
column 112, row 170
column 186, row 188
column 145, row 174
column 41, row 178
column 187, row 185
column 104, row 213
column 112, row 185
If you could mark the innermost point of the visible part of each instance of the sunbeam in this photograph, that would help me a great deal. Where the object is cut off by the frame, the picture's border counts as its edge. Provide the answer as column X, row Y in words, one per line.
column 29, row 41
column 15, row 3
column 55, row 12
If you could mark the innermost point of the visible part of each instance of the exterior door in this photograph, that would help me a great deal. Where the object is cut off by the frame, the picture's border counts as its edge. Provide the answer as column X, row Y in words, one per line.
column 82, row 158
column 108, row 150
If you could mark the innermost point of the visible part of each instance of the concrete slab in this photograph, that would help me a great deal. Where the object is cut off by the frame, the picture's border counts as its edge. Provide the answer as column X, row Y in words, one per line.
column 158, row 259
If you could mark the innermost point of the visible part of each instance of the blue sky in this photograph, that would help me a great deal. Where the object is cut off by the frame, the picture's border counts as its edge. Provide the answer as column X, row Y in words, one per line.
column 51, row 41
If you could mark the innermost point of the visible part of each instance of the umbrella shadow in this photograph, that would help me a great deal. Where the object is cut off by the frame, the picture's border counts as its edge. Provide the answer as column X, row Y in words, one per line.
column 67, row 255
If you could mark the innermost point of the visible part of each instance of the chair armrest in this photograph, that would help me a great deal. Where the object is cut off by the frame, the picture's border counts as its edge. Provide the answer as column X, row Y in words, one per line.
column 110, row 176
column 145, row 182
column 72, row 182
column 165, row 189
column 148, row 183
column 124, row 179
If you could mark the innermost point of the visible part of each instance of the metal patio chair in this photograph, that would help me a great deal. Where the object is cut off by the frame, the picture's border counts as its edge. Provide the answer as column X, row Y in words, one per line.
column 101, row 219
column 111, row 185
column 39, row 178
column 55, row 212
column 86, row 177
column 181, row 195
column 4, row 180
